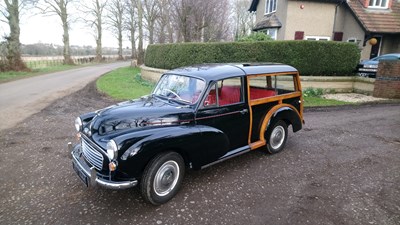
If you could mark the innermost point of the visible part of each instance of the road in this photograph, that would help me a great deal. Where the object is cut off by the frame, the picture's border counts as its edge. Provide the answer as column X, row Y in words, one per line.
column 342, row 168
column 22, row 98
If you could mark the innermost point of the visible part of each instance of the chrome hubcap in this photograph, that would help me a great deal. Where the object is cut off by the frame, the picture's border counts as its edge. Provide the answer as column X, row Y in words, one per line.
column 277, row 137
column 166, row 178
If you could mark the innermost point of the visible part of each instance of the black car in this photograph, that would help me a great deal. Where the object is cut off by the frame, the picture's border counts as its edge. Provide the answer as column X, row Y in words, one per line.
column 195, row 117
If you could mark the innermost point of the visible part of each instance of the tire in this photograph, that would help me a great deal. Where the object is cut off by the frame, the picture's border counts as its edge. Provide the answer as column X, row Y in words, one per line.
column 276, row 137
column 162, row 178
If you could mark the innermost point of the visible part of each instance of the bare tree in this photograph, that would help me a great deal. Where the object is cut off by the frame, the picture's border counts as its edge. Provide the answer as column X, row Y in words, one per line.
column 165, row 22
column 93, row 16
column 60, row 8
column 244, row 20
column 215, row 21
column 140, row 26
column 115, row 19
column 206, row 20
column 183, row 10
column 151, row 14
column 11, row 12
column 131, row 24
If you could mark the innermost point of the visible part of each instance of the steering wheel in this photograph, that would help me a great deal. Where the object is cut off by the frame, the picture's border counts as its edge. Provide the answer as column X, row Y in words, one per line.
column 175, row 94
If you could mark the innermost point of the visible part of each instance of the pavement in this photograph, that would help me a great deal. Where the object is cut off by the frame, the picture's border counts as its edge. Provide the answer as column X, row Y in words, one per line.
column 343, row 167
column 22, row 98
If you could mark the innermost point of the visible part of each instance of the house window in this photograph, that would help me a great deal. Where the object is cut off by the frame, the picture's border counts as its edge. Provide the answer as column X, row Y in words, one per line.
column 353, row 40
column 378, row 4
column 272, row 32
column 270, row 6
column 317, row 38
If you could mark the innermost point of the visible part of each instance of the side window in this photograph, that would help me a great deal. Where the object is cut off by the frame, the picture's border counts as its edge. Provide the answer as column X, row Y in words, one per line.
column 268, row 86
column 225, row 92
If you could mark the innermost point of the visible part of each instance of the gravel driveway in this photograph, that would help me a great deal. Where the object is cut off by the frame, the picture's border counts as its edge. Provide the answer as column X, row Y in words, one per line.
column 342, row 168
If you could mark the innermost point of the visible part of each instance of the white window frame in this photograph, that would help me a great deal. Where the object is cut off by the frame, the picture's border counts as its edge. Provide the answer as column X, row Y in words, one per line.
column 268, row 5
column 268, row 32
column 317, row 38
column 377, row 4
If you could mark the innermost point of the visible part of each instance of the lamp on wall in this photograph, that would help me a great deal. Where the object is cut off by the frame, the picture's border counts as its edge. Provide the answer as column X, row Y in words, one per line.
column 373, row 41
column 301, row 6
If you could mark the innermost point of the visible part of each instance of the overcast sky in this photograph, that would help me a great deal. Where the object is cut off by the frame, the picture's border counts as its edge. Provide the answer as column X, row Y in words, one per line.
column 48, row 29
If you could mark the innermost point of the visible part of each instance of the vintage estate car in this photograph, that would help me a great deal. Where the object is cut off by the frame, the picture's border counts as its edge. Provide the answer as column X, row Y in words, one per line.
column 195, row 117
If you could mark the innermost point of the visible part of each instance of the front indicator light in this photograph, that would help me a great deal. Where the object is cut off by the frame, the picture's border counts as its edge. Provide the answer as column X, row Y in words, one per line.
column 78, row 137
column 112, row 166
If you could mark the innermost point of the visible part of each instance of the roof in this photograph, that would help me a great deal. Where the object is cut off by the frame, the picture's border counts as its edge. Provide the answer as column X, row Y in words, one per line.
column 254, row 3
column 377, row 20
column 268, row 21
column 210, row 72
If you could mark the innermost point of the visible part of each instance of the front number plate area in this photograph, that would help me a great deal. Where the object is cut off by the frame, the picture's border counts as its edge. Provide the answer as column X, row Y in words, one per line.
column 81, row 175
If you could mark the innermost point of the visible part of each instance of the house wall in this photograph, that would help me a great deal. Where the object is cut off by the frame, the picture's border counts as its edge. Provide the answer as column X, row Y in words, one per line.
column 260, row 10
column 281, row 13
column 348, row 24
column 315, row 19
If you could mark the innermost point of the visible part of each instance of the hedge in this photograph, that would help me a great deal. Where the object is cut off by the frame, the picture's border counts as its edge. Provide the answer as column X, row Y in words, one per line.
column 318, row 58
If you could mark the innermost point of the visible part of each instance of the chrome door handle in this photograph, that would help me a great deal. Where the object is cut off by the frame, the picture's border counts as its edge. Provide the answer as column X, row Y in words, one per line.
column 244, row 111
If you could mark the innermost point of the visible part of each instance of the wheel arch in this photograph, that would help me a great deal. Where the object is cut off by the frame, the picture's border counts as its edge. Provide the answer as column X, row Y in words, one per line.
column 284, row 112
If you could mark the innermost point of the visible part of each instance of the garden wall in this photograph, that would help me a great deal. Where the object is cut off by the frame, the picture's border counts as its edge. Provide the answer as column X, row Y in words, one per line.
column 387, row 84
column 338, row 84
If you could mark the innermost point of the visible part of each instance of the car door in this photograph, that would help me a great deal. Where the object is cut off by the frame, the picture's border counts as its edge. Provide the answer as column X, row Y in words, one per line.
column 224, row 108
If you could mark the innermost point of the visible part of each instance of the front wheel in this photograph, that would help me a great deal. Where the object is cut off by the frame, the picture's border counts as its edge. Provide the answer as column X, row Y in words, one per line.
column 276, row 137
column 162, row 178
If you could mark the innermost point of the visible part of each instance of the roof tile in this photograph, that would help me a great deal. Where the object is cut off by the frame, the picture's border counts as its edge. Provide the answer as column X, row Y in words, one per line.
column 377, row 20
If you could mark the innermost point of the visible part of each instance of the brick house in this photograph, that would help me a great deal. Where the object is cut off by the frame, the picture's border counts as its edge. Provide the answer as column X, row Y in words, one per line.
column 372, row 24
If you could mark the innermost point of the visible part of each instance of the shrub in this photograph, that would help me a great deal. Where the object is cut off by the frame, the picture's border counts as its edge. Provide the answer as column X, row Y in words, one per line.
column 311, row 92
column 255, row 36
column 309, row 57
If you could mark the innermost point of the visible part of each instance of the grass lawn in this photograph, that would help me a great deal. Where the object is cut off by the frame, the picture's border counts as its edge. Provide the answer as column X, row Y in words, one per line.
column 12, row 75
column 124, row 83
column 318, row 101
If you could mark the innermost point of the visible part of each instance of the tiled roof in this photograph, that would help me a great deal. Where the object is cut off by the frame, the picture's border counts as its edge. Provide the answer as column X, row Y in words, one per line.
column 268, row 21
column 377, row 20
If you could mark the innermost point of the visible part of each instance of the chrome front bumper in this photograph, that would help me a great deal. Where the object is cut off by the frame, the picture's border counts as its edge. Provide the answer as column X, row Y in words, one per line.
column 89, row 174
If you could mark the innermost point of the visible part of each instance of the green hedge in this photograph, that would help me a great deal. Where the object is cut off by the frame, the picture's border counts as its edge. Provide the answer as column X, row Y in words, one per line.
column 309, row 57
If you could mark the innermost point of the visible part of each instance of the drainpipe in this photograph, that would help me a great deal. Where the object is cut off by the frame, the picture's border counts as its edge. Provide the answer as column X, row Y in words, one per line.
column 334, row 18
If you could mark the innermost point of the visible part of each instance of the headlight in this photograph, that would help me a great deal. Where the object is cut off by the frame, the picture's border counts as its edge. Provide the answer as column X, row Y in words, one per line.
column 78, row 124
column 112, row 149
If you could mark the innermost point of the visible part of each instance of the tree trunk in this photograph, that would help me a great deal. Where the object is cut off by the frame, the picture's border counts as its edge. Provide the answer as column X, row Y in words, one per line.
column 99, row 47
column 14, row 60
column 120, row 57
column 140, row 24
column 151, row 33
column 64, row 20
column 99, row 50
column 133, row 43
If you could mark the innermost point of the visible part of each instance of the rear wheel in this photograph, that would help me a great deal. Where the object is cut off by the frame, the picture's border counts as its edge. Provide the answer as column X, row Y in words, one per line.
column 162, row 178
column 276, row 137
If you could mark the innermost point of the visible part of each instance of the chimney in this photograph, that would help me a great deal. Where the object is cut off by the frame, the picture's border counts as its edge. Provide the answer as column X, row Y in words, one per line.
column 365, row 3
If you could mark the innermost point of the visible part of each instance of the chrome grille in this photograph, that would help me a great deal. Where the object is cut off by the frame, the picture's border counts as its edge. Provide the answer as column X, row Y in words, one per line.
column 92, row 155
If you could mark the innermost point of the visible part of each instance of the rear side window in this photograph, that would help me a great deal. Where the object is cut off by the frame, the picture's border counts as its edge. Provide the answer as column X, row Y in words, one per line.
column 271, row 85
